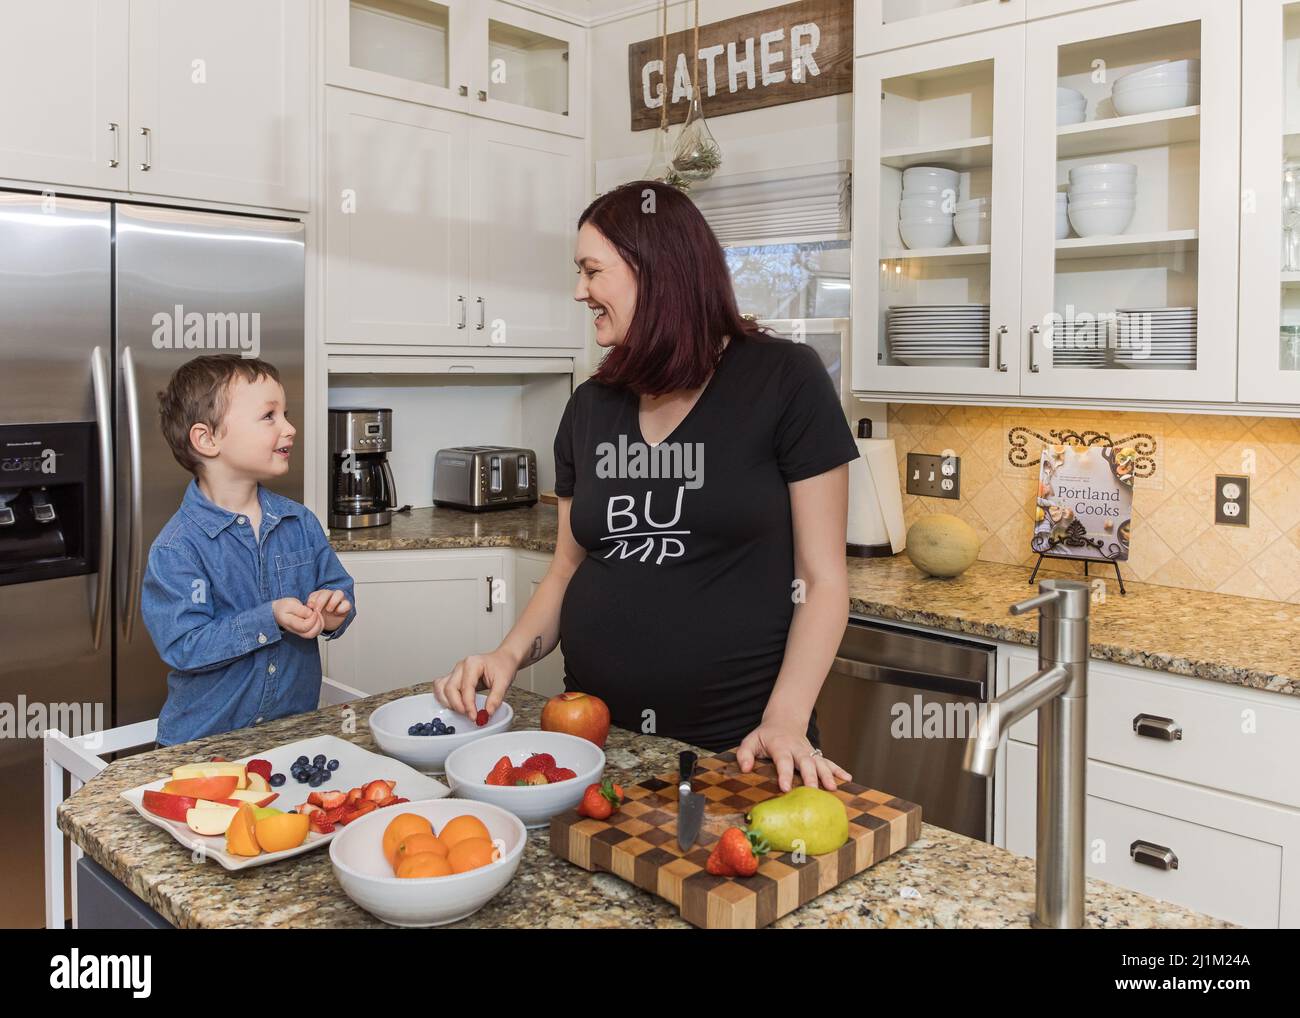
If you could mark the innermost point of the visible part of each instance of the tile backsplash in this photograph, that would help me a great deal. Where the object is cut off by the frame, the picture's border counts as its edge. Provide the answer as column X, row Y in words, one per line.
column 1174, row 541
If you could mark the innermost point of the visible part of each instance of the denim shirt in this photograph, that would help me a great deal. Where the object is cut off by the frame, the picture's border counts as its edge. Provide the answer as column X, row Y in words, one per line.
column 207, row 600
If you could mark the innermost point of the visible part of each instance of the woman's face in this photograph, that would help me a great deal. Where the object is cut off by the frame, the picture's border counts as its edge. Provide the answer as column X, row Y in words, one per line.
column 606, row 284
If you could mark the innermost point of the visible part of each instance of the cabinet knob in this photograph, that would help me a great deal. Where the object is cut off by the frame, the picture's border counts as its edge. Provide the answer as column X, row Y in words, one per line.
column 463, row 90
column 482, row 96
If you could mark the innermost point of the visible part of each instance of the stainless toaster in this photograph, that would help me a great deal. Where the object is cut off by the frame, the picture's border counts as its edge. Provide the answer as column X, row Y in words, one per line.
column 479, row 477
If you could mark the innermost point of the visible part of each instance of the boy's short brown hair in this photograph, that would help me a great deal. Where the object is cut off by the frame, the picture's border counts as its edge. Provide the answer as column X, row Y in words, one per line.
column 197, row 394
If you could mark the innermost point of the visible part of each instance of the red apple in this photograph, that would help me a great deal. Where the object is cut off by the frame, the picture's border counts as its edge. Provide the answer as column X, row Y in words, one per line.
column 579, row 714
column 164, row 804
column 203, row 788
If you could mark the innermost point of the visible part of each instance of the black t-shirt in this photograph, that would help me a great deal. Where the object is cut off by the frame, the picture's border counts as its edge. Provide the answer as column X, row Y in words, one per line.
column 683, row 603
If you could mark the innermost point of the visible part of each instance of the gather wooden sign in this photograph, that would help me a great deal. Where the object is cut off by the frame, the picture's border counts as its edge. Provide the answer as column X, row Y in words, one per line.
column 781, row 55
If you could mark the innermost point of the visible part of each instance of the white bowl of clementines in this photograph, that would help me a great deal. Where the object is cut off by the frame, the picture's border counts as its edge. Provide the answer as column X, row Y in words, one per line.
column 431, row 863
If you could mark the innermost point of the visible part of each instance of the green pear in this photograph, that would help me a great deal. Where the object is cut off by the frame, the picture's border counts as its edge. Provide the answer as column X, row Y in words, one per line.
column 810, row 815
column 262, row 812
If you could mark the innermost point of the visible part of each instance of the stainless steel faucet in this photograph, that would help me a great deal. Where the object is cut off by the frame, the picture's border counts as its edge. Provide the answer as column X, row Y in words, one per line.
column 1059, row 692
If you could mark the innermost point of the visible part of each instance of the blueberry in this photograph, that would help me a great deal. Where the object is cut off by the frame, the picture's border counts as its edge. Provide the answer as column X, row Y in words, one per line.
column 413, row 730
column 316, row 781
column 319, row 759
column 300, row 761
column 276, row 780
column 333, row 765
column 451, row 730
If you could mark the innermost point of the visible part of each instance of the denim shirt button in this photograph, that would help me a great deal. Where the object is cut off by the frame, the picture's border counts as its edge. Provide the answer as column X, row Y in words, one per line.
column 257, row 721
column 261, row 637
column 270, row 669
column 241, row 521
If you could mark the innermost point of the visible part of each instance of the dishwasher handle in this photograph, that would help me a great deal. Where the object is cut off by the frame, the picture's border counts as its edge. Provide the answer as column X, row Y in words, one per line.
column 953, row 685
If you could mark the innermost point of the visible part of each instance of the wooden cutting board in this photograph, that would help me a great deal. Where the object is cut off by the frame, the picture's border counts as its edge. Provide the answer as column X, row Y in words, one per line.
column 639, row 844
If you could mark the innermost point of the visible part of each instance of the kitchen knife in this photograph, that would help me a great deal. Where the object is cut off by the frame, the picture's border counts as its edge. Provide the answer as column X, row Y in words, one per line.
column 690, row 804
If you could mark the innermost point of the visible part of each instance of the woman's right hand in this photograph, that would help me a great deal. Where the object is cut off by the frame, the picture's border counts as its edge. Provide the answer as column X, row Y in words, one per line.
column 456, row 689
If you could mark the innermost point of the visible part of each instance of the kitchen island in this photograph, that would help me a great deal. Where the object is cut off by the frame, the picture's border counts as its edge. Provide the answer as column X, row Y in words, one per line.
column 943, row 880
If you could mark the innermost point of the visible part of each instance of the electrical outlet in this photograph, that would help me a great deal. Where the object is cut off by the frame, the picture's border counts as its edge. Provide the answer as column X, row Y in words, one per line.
column 935, row 476
column 1232, row 500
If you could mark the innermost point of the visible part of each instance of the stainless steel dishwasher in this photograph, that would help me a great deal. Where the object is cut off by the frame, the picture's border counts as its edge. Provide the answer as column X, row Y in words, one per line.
column 896, row 710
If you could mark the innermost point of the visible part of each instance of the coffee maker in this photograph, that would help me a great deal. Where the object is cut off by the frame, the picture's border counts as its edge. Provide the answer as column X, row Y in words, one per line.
column 362, row 492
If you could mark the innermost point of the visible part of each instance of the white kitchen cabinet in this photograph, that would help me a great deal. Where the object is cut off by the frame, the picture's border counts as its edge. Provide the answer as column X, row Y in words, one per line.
column 1229, row 857
column 547, row 676
column 524, row 191
column 1180, row 248
column 219, row 100
column 63, row 73
column 418, row 613
column 447, row 230
column 956, row 104
column 481, row 57
column 396, row 224
column 160, row 97
column 1269, row 336
column 975, row 103
column 880, row 25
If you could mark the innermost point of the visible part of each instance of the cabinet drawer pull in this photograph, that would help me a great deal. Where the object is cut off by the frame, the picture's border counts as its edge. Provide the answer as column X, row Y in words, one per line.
column 482, row 96
column 1149, row 854
column 461, row 302
column 1152, row 726
column 464, row 90
column 1033, row 336
column 489, row 604
column 113, row 163
column 1000, row 363
column 482, row 312
column 148, row 148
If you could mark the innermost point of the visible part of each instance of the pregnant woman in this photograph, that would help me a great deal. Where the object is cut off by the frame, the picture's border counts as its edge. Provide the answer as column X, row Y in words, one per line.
column 699, row 584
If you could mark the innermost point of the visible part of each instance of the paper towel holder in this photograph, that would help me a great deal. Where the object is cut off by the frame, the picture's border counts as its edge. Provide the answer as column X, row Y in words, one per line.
column 884, row 550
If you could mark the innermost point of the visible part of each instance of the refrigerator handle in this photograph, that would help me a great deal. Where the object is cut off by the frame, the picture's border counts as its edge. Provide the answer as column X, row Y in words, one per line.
column 135, row 535
column 103, row 419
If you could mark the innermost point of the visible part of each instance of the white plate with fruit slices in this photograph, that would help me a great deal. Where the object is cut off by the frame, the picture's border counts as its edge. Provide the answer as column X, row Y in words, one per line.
column 202, row 807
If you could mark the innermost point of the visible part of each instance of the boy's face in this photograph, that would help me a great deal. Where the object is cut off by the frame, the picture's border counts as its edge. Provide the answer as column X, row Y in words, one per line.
column 255, row 438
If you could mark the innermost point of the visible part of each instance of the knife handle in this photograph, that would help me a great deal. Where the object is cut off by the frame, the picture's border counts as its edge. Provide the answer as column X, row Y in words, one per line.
column 686, row 761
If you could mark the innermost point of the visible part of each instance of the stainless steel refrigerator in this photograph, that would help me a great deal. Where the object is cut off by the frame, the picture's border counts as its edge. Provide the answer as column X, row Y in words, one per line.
column 99, row 303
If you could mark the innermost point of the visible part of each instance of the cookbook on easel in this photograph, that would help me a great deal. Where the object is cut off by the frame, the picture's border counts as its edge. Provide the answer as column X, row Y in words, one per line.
column 1085, row 502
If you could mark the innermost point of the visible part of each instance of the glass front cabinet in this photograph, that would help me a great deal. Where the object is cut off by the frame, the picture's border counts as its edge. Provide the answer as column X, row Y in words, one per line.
column 1092, row 234
column 1269, row 333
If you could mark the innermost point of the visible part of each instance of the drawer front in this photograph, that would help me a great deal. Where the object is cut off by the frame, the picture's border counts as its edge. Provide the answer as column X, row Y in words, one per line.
column 1218, row 872
column 1227, row 739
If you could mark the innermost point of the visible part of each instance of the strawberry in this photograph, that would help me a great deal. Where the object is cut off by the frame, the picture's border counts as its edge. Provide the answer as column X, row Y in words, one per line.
column 533, row 778
column 353, row 796
column 497, row 775
column 600, row 800
column 319, row 824
column 538, row 762
column 736, row 853
column 331, row 799
column 218, row 759
column 378, row 789
column 515, row 776
column 362, row 808
column 262, row 767
column 554, row 774
column 481, row 719
column 307, row 809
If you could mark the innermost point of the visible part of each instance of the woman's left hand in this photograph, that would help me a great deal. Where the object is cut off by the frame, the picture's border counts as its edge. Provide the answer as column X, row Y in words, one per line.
column 786, row 748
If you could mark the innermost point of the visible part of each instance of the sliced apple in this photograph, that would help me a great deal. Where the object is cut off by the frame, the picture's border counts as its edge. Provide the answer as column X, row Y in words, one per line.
column 258, row 783
column 172, row 807
column 211, row 820
column 248, row 795
column 203, row 788
column 212, row 770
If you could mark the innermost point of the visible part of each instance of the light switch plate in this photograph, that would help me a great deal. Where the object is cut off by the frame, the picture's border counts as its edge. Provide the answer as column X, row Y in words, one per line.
column 935, row 476
column 1232, row 500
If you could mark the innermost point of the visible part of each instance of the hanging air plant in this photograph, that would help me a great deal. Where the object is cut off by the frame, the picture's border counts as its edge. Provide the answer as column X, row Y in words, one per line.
column 697, row 155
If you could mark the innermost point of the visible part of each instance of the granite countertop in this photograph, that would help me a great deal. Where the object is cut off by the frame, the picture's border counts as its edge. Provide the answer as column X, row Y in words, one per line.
column 1221, row 637
column 942, row 880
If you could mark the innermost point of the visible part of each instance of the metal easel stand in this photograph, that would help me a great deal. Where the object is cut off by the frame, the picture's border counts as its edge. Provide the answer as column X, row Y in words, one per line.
column 1070, row 558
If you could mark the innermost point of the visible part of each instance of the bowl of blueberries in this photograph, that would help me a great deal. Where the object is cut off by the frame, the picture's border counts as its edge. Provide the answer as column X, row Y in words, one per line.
column 421, row 732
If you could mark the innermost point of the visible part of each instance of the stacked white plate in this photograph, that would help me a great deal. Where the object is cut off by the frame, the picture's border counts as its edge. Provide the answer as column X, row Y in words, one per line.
column 1164, row 86
column 1102, row 198
column 1080, row 344
column 926, row 206
column 938, row 335
column 1156, row 338
column 1071, row 106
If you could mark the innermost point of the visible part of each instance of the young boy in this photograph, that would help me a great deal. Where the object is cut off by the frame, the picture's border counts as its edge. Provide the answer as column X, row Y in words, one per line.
column 240, row 581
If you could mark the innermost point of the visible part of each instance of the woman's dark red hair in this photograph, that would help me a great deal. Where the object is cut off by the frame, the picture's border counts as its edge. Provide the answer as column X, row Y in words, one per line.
column 685, row 303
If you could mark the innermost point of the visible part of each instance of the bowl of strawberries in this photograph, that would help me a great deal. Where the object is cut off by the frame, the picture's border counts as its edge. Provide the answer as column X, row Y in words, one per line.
column 533, row 774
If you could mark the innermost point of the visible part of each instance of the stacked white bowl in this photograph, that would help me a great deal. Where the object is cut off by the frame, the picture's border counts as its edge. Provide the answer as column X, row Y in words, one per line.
column 1071, row 106
column 1164, row 86
column 1102, row 198
column 973, row 221
column 925, row 210
column 1062, row 215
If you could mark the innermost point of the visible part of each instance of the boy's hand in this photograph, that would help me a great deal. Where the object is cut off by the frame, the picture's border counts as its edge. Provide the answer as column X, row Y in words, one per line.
column 333, row 606
column 298, row 618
